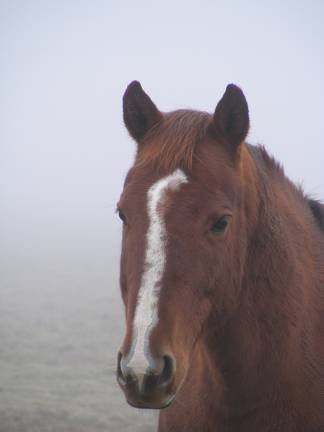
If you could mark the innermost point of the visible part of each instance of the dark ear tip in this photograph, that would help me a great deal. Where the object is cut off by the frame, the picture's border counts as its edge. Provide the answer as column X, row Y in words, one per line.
column 231, row 117
column 133, row 88
column 231, row 86
column 140, row 113
column 233, row 89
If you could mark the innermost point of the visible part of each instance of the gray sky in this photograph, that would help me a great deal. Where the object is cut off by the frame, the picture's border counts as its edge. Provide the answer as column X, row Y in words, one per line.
column 65, row 65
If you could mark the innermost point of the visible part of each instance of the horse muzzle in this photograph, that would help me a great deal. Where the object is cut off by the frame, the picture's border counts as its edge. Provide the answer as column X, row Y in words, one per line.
column 152, row 389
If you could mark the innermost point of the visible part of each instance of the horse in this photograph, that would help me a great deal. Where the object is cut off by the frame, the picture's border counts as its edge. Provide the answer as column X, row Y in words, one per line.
column 221, row 276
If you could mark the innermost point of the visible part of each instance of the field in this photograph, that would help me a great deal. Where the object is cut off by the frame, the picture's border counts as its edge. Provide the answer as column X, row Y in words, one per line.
column 60, row 327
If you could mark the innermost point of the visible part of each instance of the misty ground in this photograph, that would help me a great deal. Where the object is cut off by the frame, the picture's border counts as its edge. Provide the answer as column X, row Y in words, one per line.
column 60, row 325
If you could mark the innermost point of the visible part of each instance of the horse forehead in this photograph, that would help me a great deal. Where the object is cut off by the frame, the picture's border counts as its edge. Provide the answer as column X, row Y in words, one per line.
column 141, row 187
column 157, row 193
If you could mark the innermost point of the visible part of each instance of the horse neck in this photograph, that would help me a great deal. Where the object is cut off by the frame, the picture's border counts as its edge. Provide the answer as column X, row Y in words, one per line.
column 259, row 350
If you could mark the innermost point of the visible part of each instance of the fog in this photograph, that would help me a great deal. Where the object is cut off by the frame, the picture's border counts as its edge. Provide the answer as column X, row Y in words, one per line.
column 64, row 154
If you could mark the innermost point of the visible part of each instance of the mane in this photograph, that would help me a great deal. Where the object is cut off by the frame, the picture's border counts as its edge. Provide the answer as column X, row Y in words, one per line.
column 172, row 142
column 317, row 208
column 267, row 165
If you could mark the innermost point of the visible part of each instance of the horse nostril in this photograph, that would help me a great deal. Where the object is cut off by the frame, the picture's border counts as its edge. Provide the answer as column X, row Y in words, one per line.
column 145, row 383
column 125, row 376
column 167, row 372
column 120, row 375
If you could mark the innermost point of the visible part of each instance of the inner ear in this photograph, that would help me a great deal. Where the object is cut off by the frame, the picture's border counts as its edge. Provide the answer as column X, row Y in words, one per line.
column 140, row 113
column 231, row 117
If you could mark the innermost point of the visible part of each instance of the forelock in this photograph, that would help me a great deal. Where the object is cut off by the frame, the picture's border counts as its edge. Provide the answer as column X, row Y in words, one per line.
column 172, row 143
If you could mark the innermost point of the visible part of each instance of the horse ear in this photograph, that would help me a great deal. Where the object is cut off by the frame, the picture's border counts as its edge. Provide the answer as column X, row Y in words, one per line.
column 140, row 113
column 231, row 117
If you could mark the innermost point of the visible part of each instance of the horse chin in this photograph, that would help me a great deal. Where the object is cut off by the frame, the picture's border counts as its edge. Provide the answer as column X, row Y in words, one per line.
column 153, row 405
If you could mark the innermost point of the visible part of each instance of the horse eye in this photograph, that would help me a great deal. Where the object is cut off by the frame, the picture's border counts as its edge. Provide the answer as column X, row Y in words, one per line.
column 219, row 226
column 122, row 217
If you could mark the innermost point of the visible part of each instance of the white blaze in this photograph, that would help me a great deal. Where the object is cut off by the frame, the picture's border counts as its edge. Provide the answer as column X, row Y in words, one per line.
column 146, row 315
